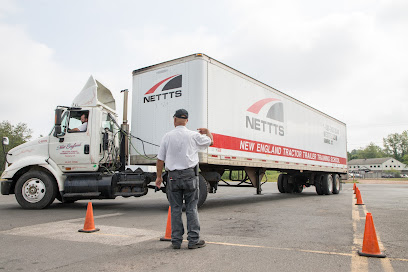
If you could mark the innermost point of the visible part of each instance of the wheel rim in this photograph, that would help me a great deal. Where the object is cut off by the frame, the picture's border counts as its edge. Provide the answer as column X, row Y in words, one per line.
column 33, row 190
column 330, row 185
column 337, row 180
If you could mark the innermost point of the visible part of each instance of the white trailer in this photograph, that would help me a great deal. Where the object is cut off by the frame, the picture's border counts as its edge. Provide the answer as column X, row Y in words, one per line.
column 255, row 128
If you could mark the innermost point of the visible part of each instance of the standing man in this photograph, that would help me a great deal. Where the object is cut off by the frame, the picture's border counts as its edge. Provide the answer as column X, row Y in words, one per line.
column 179, row 149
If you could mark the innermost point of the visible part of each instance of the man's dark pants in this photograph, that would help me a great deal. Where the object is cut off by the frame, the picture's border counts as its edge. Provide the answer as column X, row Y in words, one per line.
column 183, row 184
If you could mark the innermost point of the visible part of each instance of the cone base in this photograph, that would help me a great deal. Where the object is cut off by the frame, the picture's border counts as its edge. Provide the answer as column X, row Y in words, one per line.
column 359, row 204
column 165, row 239
column 371, row 255
column 88, row 231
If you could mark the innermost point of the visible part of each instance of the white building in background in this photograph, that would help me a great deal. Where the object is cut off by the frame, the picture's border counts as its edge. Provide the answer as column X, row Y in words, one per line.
column 376, row 166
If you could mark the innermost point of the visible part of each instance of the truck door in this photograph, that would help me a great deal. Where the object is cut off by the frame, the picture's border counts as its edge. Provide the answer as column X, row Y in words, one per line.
column 71, row 150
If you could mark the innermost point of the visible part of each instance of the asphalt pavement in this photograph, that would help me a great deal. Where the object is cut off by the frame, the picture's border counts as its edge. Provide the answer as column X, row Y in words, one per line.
column 243, row 231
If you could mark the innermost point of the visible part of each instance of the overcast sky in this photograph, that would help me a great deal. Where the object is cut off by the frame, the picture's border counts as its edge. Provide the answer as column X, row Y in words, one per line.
column 347, row 58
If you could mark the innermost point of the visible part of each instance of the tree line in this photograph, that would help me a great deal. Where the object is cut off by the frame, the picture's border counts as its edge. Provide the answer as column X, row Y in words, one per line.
column 17, row 134
column 395, row 146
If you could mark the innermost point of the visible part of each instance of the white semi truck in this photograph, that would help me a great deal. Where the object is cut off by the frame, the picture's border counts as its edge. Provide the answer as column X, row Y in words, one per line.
column 255, row 128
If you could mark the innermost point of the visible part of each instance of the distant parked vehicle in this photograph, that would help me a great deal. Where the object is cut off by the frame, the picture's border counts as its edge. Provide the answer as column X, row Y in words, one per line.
column 387, row 176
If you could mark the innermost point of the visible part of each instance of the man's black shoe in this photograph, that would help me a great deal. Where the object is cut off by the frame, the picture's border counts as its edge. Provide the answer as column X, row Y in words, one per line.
column 199, row 244
column 175, row 246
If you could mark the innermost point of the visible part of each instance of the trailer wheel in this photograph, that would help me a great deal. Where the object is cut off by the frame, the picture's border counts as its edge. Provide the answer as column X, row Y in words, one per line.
column 336, row 184
column 35, row 190
column 327, row 184
column 288, row 187
column 318, row 184
column 280, row 183
column 298, row 188
column 204, row 189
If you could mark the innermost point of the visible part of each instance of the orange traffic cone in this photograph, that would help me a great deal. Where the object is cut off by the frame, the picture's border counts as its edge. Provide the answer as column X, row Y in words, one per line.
column 370, row 242
column 354, row 187
column 167, row 235
column 89, row 225
column 359, row 200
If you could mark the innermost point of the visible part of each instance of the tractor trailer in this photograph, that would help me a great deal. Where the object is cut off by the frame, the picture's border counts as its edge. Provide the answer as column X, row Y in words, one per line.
column 255, row 128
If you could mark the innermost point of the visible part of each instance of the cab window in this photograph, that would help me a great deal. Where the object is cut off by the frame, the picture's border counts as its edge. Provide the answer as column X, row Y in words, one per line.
column 78, row 121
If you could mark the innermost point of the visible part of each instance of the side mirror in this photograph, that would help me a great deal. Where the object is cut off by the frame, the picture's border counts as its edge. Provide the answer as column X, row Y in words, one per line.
column 58, row 119
column 58, row 116
column 5, row 141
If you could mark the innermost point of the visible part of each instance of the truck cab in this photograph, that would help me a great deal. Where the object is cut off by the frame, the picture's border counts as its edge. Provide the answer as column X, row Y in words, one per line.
column 84, row 141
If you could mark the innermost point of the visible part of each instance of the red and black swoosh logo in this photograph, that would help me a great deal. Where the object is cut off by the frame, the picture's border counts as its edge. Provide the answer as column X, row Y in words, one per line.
column 167, row 83
column 275, row 111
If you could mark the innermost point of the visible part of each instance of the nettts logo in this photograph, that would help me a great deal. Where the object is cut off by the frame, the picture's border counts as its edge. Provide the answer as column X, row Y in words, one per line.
column 168, row 91
column 271, row 122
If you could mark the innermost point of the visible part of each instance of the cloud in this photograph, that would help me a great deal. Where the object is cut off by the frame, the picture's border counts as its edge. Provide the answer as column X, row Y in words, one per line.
column 31, row 82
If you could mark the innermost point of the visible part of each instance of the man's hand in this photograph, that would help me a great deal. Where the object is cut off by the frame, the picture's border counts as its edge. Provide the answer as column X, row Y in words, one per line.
column 203, row 130
column 159, row 181
column 206, row 131
column 159, row 166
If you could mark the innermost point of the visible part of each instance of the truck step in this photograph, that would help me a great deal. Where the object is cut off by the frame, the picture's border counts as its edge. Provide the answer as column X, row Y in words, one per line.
column 92, row 194
column 129, row 194
column 130, row 183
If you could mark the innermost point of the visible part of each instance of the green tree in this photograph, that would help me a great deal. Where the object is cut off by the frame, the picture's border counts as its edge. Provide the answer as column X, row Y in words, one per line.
column 372, row 151
column 405, row 159
column 396, row 145
column 17, row 135
column 369, row 152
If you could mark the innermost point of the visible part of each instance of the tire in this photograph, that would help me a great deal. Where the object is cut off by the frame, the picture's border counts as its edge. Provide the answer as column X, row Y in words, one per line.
column 327, row 184
column 204, row 188
column 318, row 184
column 203, row 191
column 288, row 187
column 280, row 183
column 298, row 188
column 336, row 184
column 35, row 190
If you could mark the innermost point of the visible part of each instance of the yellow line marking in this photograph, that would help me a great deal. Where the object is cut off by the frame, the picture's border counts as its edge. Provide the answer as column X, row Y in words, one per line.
column 398, row 259
column 354, row 254
column 358, row 263
column 283, row 248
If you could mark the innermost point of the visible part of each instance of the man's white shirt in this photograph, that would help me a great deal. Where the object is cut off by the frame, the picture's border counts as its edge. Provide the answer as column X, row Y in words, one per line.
column 179, row 148
column 83, row 126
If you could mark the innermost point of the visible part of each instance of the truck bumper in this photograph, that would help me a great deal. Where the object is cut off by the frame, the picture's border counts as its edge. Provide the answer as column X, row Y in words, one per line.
column 6, row 187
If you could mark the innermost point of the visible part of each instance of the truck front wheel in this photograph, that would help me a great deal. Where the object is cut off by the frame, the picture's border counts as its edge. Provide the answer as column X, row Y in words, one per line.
column 35, row 190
